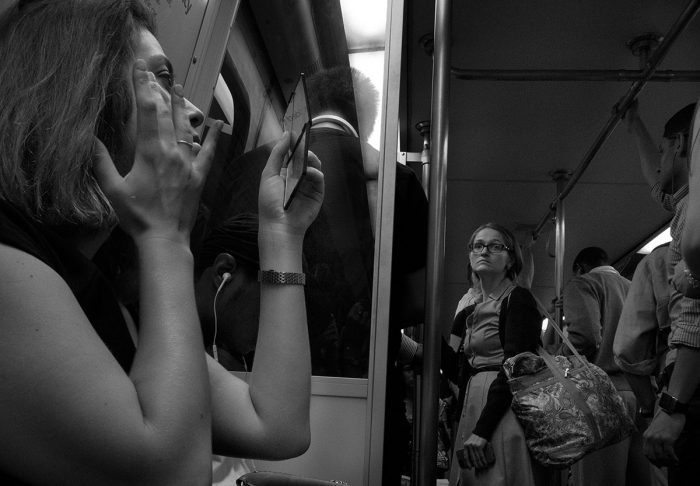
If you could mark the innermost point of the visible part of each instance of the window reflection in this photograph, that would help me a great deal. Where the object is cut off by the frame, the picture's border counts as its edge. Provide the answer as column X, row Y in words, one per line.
column 272, row 42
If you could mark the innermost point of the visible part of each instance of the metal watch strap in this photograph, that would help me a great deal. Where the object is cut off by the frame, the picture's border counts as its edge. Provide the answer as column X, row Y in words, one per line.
column 281, row 278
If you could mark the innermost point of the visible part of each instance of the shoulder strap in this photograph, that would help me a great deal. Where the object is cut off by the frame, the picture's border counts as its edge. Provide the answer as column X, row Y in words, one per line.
column 502, row 315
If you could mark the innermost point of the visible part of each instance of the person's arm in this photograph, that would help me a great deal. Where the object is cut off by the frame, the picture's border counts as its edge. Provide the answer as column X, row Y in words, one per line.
column 66, row 402
column 649, row 157
column 690, row 241
column 663, row 432
column 634, row 346
column 269, row 417
column 582, row 312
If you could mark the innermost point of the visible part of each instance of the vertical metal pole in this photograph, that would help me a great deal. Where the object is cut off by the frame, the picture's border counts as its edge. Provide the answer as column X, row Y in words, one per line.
column 561, row 177
column 424, row 128
column 436, row 245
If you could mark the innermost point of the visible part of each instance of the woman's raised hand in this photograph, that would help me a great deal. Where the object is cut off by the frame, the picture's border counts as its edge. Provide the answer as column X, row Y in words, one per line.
column 159, row 196
column 307, row 201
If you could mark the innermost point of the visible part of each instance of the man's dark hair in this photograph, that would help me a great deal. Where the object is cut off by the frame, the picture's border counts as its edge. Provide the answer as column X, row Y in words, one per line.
column 679, row 124
column 348, row 93
column 591, row 256
column 237, row 236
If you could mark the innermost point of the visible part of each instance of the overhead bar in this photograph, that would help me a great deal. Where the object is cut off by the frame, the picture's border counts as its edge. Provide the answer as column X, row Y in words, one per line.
column 571, row 75
column 621, row 107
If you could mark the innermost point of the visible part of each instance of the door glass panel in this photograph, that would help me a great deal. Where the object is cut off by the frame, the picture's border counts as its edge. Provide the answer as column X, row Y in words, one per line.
column 339, row 46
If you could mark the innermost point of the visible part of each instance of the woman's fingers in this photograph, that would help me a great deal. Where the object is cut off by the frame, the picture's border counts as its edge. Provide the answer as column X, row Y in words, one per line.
column 180, row 115
column 313, row 161
column 477, row 456
column 277, row 156
column 205, row 153
column 153, row 113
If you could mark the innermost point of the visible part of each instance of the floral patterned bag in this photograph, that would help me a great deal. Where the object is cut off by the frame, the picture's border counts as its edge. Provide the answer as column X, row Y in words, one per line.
column 567, row 406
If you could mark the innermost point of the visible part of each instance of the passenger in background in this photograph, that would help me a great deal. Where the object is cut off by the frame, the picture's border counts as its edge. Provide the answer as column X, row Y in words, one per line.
column 665, row 169
column 664, row 166
column 593, row 302
column 228, row 293
column 684, row 312
column 673, row 438
column 489, row 445
column 95, row 134
column 341, row 238
column 344, row 104
column 641, row 340
column 450, row 355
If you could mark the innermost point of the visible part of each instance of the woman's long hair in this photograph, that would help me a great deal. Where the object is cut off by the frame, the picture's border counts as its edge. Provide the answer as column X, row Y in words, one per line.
column 65, row 80
column 514, row 251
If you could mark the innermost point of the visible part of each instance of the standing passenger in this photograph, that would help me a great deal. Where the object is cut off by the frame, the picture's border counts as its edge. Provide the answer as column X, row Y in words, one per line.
column 489, row 445
column 95, row 134
column 661, row 439
column 673, row 437
column 593, row 301
column 641, row 340
column 665, row 169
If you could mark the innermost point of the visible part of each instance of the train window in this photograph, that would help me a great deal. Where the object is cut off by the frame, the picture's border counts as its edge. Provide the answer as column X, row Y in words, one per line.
column 222, row 107
column 339, row 46
column 657, row 240
column 364, row 22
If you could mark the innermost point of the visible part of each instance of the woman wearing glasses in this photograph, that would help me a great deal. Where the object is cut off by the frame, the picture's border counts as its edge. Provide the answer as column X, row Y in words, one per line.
column 489, row 445
column 95, row 133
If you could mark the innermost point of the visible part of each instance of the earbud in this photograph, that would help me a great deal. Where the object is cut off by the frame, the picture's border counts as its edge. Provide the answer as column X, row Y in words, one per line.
column 224, row 278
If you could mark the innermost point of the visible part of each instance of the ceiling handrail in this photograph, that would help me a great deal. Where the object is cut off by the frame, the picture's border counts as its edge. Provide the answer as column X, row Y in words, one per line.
column 620, row 75
column 620, row 108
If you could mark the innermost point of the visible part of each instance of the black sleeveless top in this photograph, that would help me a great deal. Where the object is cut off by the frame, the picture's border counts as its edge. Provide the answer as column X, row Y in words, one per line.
column 89, row 285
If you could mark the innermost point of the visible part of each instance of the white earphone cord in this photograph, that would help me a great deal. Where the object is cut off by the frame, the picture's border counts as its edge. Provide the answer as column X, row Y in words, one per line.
column 214, row 351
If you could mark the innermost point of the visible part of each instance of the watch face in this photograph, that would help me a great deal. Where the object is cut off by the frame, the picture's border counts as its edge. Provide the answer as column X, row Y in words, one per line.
column 671, row 405
column 667, row 402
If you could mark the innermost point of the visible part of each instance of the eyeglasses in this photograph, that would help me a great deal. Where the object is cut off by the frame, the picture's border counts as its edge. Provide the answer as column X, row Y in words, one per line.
column 491, row 247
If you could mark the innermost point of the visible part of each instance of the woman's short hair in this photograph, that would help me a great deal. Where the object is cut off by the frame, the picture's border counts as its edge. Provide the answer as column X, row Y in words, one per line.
column 65, row 82
column 513, row 250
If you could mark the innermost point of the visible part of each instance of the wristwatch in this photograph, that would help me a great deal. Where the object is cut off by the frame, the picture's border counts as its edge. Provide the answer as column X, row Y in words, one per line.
column 670, row 404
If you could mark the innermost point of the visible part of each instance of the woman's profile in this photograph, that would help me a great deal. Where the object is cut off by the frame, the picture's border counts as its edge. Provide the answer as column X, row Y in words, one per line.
column 96, row 133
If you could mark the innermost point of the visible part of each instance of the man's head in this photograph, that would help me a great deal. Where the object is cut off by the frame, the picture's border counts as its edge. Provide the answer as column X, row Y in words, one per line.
column 346, row 92
column 589, row 258
column 226, row 284
column 673, row 172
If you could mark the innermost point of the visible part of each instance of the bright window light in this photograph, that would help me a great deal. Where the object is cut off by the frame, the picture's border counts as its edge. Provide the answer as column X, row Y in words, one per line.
column 365, row 23
column 365, row 32
column 658, row 240
column 371, row 64
column 223, row 96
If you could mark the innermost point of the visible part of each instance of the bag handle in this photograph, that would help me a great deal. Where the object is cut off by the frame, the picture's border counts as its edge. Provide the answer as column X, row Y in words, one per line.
column 565, row 340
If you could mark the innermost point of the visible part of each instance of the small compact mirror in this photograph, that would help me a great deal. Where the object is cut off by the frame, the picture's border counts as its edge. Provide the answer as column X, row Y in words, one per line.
column 298, row 122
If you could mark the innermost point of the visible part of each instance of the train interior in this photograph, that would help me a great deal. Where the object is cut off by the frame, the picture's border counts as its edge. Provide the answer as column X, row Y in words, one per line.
column 533, row 96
